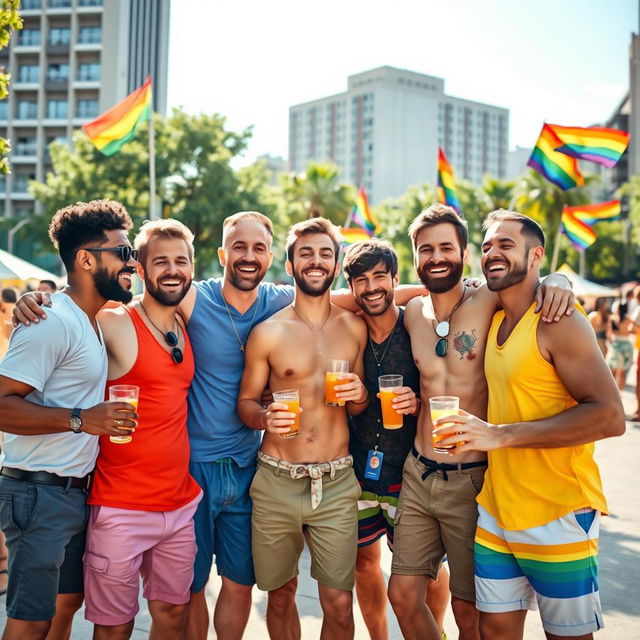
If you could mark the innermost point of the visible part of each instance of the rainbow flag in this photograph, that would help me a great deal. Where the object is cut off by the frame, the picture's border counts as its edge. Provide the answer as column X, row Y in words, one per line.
column 446, row 188
column 597, row 144
column 353, row 235
column 580, row 233
column 558, row 168
column 363, row 216
column 116, row 126
column 594, row 213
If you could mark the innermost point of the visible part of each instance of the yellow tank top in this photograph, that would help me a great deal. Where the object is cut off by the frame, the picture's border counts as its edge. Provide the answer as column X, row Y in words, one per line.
column 525, row 488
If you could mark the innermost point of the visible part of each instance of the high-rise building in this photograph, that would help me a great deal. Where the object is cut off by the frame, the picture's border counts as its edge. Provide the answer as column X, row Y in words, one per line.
column 384, row 132
column 72, row 60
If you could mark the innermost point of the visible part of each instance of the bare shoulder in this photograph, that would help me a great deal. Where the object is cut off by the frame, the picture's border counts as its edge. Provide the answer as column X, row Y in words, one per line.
column 351, row 320
column 413, row 310
column 484, row 298
column 112, row 317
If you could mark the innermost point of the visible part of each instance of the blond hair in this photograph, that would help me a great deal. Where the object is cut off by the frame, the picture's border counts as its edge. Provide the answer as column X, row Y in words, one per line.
column 165, row 228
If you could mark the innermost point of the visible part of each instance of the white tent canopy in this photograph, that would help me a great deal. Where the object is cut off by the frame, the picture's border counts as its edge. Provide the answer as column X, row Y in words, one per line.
column 14, row 268
column 584, row 288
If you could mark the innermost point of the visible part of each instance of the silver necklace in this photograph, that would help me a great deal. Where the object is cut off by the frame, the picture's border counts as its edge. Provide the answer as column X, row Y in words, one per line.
column 312, row 328
column 443, row 326
column 233, row 324
column 388, row 341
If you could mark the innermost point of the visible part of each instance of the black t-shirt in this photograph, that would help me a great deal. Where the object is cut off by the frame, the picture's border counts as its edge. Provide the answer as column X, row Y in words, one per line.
column 366, row 429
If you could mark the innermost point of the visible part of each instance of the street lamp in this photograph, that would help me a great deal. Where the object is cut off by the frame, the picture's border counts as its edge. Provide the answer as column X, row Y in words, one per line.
column 13, row 231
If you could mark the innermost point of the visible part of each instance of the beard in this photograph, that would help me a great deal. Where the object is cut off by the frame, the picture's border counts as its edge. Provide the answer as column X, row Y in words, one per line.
column 516, row 274
column 387, row 301
column 442, row 285
column 312, row 290
column 242, row 281
column 109, row 287
column 167, row 298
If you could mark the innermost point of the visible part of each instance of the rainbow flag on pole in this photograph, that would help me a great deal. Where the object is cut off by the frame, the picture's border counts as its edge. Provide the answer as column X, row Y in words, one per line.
column 446, row 186
column 580, row 233
column 351, row 235
column 116, row 126
column 594, row 213
column 363, row 216
column 597, row 144
column 556, row 167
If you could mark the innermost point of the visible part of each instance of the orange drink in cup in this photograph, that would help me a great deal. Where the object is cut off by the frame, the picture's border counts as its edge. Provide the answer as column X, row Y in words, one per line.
column 124, row 393
column 388, row 384
column 442, row 406
column 291, row 398
column 335, row 369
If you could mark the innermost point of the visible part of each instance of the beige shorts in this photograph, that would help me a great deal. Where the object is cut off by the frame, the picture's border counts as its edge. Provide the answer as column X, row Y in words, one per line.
column 437, row 517
column 282, row 517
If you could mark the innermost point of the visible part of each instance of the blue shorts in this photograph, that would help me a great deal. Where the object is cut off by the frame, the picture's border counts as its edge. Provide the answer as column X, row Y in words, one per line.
column 223, row 522
column 44, row 526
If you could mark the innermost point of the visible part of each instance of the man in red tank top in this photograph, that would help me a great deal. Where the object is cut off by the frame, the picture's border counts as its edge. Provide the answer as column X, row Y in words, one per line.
column 142, row 497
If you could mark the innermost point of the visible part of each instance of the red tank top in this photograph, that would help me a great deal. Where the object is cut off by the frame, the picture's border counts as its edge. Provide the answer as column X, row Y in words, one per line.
column 150, row 473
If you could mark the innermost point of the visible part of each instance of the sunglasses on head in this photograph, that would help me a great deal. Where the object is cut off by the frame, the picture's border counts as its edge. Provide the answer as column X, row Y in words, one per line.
column 125, row 253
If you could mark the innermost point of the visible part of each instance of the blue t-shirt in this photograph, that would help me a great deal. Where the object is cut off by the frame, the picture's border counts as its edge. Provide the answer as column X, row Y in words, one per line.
column 215, row 430
column 65, row 362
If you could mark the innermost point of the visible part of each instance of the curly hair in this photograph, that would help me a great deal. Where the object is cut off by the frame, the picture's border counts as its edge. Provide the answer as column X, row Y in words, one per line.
column 364, row 256
column 83, row 223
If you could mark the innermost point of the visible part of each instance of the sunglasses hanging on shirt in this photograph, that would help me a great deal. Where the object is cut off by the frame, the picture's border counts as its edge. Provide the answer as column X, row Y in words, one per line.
column 170, row 337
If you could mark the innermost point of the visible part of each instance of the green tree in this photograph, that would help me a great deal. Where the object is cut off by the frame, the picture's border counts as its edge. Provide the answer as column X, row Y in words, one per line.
column 9, row 21
column 499, row 193
column 196, row 181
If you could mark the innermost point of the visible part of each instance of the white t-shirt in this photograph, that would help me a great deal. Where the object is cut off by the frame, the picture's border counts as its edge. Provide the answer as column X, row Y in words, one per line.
column 65, row 362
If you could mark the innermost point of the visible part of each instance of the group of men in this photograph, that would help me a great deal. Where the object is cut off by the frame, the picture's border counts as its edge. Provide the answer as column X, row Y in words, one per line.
column 199, row 481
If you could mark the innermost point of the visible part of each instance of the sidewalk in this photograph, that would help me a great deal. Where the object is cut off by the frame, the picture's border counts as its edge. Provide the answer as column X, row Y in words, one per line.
column 619, row 562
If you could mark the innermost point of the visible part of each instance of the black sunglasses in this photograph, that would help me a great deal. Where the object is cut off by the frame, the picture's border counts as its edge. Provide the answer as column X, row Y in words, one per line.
column 172, row 340
column 443, row 344
column 125, row 253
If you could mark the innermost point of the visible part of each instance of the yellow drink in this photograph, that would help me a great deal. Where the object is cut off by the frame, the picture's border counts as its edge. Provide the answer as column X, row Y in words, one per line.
column 128, row 438
column 391, row 419
column 331, row 380
column 293, row 406
column 436, row 414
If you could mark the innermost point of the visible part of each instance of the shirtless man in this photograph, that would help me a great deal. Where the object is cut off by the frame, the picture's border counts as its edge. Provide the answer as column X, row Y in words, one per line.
column 305, row 485
column 437, row 510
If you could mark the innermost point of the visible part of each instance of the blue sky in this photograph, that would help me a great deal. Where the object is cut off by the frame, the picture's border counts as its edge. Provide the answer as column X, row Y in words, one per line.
column 564, row 61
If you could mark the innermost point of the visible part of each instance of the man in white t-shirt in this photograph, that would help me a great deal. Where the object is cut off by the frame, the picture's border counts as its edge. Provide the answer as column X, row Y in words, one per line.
column 52, row 383
column 634, row 315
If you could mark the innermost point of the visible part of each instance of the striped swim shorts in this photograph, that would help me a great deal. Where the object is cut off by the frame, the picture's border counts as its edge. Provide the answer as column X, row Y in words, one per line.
column 553, row 568
column 376, row 514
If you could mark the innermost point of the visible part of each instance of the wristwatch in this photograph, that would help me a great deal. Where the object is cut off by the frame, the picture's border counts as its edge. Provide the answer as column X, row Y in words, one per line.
column 75, row 421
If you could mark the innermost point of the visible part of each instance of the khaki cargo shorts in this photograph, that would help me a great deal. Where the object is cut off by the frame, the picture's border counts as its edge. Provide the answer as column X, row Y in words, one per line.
column 437, row 517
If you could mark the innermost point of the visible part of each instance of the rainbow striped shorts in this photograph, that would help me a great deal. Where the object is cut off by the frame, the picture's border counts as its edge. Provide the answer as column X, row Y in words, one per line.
column 553, row 568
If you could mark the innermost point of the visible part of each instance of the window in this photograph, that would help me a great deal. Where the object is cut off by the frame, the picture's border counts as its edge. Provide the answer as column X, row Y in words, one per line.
column 26, row 147
column 4, row 110
column 27, row 110
column 29, row 38
column 90, row 35
column 57, row 109
column 89, row 72
column 21, row 182
column 59, row 35
column 31, row 4
column 28, row 73
column 87, row 109
column 89, row 3
column 59, row 4
column 58, row 72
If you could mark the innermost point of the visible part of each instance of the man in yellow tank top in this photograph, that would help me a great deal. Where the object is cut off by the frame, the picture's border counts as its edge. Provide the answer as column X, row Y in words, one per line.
column 539, row 509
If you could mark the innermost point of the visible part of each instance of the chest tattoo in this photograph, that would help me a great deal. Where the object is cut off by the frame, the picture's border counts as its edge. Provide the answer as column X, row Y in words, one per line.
column 465, row 344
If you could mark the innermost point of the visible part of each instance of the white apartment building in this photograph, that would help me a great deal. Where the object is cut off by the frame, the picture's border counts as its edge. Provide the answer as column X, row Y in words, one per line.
column 72, row 60
column 384, row 132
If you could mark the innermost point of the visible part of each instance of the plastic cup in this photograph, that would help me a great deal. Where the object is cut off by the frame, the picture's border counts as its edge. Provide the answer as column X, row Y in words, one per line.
column 124, row 393
column 291, row 398
column 442, row 406
column 388, row 384
column 335, row 369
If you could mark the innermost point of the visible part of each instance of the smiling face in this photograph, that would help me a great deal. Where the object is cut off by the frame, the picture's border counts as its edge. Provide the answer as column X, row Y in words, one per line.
column 438, row 258
column 112, row 277
column 246, row 255
column 314, row 265
column 167, row 270
column 506, row 257
column 373, row 290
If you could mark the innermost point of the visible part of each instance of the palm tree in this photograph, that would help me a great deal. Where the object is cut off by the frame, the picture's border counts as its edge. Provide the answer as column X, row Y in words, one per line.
column 499, row 193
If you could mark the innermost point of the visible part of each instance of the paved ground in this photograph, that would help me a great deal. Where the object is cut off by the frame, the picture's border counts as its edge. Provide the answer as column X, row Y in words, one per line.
column 619, row 564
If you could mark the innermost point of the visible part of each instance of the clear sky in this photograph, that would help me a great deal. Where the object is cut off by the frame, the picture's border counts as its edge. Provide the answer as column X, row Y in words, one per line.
column 563, row 61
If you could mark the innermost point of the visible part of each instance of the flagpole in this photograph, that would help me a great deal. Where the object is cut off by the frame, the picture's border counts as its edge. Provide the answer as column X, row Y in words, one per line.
column 153, row 213
column 581, row 269
column 556, row 249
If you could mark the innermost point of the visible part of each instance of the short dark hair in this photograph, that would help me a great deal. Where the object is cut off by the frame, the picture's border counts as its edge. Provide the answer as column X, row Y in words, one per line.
column 83, row 223
column 49, row 283
column 9, row 295
column 364, row 256
column 309, row 227
column 531, row 230
column 439, row 214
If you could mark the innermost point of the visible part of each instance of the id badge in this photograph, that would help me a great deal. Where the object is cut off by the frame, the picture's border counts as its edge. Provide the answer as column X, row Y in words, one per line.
column 374, row 465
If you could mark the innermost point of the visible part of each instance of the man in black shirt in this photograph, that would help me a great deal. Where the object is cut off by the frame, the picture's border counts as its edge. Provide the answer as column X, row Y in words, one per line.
column 371, row 269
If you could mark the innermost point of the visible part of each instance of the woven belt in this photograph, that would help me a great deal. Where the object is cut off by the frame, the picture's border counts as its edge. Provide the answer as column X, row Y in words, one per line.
column 315, row 471
column 433, row 466
column 44, row 477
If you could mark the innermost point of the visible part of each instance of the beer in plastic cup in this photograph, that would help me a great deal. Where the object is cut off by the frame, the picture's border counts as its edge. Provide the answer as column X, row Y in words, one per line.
column 388, row 384
column 124, row 393
column 442, row 406
column 335, row 368
column 291, row 398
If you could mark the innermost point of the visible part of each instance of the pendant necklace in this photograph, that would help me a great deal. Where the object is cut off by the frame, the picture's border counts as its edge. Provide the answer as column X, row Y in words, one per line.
column 233, row 324
column 388, row 341
column 442, row 327
column 312, row 328
column 170, row 337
